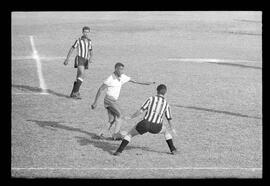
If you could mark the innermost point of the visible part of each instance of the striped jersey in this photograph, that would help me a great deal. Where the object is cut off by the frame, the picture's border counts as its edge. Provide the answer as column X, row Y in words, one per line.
column 156, row 107
column 83, row 46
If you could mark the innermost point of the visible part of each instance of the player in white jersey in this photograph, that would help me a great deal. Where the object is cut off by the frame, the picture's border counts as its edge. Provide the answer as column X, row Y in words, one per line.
column 83, row 57
column 113, row 85
column 156, row 107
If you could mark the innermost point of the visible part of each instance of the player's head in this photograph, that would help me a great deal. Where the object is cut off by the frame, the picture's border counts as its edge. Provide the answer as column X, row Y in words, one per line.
column 161, row 89
column 119, row 69
column 85, row 31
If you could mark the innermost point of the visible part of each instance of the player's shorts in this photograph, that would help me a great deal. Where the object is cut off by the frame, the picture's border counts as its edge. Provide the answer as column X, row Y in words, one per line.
column 80, row 61
column 112, row 106
column 146, row 126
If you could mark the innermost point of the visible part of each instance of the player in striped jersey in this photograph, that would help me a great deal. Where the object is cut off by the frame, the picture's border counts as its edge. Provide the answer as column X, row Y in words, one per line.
column 83, row 57
column 156, row 107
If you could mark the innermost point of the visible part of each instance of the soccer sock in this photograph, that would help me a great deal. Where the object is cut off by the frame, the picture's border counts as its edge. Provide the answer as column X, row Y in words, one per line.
column 74, row 85
column 78, row 84
column 124, row 143
column 169, row 141
column 170, row 144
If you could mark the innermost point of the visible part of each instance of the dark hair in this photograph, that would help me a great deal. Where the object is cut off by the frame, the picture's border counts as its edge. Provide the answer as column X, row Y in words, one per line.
column 161, row 89
column 118, row 65
column 85, row 28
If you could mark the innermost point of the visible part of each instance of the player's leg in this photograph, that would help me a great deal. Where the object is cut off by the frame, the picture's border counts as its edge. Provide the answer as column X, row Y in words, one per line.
column 76, row 62
column 105, row 129
column 168, row 138
column 111, row 119
column 79, row 78
column 139, row 128
column 116, row 112
column 76, row 86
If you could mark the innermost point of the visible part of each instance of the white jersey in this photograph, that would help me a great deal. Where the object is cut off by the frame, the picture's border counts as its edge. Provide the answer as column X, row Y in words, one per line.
column 114, row 85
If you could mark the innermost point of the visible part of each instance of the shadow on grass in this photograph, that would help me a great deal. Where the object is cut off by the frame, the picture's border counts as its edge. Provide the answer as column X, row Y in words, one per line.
column 107, row 144
column 36, row 89
column 218, row 111
column 238, row 65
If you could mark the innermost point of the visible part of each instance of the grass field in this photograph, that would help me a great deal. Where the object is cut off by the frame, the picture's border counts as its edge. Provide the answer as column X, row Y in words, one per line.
column 211, row 63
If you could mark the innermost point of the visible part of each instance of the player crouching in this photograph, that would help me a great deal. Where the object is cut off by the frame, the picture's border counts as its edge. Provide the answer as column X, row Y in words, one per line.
column 156, row 107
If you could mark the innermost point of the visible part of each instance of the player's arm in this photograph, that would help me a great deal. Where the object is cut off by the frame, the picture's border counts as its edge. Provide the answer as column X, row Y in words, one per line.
column 136, row 114
column 90, row 56
column 141, row 83
column 68, row 56
column 141, row 110
column 101, row 88
column 169, row 119
column 171, row 126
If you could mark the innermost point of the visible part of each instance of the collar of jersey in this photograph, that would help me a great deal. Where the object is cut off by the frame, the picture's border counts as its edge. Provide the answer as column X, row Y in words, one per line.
column 160, row 95
column 118, row 78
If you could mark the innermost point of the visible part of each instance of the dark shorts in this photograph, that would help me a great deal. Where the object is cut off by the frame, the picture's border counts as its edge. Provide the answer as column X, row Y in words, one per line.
column 146, row 126
column 80, row 61
column 112, row 106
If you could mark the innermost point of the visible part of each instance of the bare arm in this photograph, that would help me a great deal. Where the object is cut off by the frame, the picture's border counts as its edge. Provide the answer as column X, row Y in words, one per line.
column 68, row 56
column 101, row 88
column 90, row 56
column 141, row 83
column 171, row 127
column 137, row 113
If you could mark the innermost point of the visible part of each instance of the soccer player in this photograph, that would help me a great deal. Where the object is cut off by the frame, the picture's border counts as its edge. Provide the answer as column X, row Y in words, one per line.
column 156, row 107
column 113, row 85
column 83, row 57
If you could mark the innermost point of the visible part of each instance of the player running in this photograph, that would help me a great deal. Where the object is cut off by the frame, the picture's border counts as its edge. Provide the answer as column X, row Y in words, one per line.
column 156, row 107
column 113, row 85
column 84, row 56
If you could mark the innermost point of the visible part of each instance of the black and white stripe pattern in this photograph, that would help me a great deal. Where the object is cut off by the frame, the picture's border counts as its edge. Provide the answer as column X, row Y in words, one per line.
column 156, row 106
column 84, row 46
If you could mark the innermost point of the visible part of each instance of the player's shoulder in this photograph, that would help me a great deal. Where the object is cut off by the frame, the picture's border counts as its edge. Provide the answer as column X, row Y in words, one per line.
column 124, row 76
column 109, row 78
column 151, row 98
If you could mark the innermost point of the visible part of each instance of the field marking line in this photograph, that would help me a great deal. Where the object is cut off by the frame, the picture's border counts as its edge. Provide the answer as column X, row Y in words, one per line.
column 39, row 67
column 24, row 93
column 180, row 168
column 211, row 60
column 20, row 58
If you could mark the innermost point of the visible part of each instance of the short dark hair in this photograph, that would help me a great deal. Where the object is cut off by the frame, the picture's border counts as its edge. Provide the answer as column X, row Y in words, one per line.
column 85, row 28
column 118, row 65
column 161, row 89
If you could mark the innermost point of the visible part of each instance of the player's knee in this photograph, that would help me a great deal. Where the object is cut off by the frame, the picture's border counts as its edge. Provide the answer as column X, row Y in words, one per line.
column 167, row 135
column 117, row 116
column 128, row 137
column 80, row 78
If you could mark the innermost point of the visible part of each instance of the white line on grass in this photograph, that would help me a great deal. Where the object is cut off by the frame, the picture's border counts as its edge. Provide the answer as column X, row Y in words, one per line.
column 24, row 93
column 39, row 67
column 20, row 58
column 165, row 168
column 207, row 60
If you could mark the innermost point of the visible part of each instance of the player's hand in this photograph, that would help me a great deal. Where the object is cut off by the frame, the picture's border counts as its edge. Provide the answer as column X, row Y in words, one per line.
column 66, row 62
column 150, row 83
column 93, row 106
column 90, row 61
